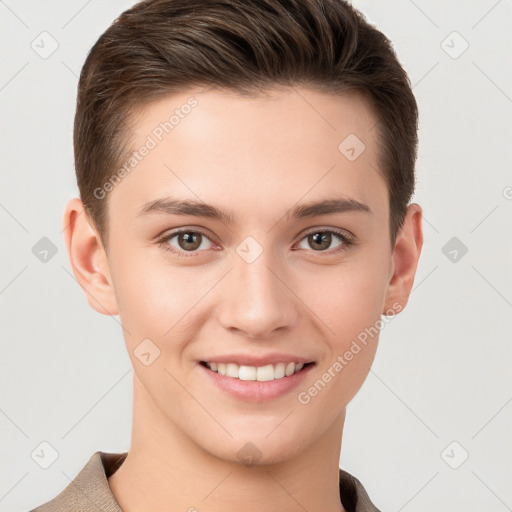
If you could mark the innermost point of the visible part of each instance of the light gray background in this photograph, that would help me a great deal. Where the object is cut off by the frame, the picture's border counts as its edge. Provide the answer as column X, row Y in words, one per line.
column 442, row 370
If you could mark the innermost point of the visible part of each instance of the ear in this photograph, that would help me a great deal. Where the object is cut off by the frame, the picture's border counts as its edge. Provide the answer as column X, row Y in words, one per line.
column 406, row 254
column 88, row 258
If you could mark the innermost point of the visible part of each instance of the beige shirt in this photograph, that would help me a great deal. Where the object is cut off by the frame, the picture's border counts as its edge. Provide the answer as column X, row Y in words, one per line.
column 90, row 492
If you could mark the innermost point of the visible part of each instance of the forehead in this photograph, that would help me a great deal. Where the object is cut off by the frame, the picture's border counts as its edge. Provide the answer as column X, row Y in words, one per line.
column 263, row 151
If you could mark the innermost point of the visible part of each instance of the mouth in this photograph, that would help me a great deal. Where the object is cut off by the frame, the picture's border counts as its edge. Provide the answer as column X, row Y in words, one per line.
column 265, row 373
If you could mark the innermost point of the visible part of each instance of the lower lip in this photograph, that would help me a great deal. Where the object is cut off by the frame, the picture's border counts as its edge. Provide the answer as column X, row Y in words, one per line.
column 256, row 391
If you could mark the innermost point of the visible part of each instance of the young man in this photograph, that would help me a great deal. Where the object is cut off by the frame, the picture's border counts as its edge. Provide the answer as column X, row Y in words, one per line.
column 245, row 171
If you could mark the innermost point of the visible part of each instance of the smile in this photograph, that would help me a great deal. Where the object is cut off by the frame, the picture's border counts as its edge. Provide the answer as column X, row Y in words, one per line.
column 255, row 373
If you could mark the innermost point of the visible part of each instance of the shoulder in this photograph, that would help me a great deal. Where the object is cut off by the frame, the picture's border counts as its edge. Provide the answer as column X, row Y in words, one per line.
column 89, row 490
column 354, row 495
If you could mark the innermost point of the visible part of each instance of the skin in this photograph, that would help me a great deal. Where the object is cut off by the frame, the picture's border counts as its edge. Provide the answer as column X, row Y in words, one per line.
column 256, row 158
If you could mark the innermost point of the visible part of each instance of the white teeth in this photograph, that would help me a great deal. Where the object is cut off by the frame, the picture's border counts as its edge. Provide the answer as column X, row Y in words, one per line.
column 232, row 370
column 279, row 370
column 259, row 373
column 247, row 373
column 265, row 373
column 290, row 367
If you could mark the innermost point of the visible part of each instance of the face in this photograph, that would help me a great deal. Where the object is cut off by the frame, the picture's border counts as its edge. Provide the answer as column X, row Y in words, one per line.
column 270, row 277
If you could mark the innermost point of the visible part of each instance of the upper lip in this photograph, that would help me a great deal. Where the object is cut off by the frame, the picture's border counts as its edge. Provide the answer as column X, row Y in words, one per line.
column 257, row 360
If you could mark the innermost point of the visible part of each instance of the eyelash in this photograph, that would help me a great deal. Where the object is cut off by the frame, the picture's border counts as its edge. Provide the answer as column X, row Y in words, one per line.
column 347, row 241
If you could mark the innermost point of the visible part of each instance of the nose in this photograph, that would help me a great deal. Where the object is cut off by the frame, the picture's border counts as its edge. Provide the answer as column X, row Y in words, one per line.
column 258, row 299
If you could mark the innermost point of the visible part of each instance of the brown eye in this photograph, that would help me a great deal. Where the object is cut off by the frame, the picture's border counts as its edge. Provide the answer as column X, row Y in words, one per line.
column 189, row 241
column 321, row 240
column 186, row 242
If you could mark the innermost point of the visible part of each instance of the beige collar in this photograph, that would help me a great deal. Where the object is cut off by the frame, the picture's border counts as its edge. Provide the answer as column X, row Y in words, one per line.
column 90, row 491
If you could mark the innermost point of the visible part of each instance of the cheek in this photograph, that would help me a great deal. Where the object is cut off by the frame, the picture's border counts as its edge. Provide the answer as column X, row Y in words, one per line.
column 350, row 304
column 144, row 296
column 349, row 298
column 160, row 301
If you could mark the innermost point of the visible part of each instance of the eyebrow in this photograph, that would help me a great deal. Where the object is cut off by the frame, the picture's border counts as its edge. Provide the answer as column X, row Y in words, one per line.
column 171, row 206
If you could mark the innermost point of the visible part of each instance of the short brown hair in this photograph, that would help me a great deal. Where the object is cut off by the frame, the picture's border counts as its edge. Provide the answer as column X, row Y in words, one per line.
column 159, row 47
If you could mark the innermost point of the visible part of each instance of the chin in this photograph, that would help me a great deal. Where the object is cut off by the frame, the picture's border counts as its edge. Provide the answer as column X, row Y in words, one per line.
column 250, row 455
column 256, row 450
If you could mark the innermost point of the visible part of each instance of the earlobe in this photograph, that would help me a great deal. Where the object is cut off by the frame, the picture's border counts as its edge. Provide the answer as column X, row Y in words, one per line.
column 406, row 254
column 88, row 259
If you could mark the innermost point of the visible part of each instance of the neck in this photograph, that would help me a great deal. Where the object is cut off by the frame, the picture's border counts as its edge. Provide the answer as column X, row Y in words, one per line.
column 166, row 470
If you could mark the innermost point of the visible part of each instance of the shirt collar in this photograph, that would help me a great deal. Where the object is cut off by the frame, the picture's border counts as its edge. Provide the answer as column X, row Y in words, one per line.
column 90, row 491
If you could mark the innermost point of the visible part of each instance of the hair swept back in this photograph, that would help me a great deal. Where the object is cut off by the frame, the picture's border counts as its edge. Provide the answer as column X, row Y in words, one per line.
column 159, row 47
